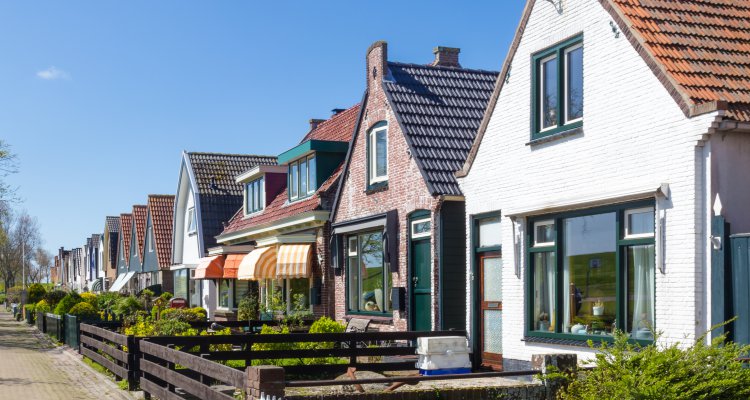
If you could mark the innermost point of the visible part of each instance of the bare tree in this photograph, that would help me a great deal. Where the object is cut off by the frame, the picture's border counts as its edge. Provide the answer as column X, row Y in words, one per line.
column 7, row 166
column 42, row 265
column 17, row 252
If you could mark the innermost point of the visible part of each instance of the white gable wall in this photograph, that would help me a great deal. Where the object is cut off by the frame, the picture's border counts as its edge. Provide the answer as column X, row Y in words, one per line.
column 634, row 136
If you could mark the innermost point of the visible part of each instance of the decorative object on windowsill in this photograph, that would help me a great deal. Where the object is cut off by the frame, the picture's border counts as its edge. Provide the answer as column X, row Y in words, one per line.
column 371, row 306
column 598, row 309
column 578, row 329
column 543, row 321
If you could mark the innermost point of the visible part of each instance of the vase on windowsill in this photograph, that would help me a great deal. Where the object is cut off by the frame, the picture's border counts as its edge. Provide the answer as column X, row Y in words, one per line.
column 598, row 311
column 543, row 326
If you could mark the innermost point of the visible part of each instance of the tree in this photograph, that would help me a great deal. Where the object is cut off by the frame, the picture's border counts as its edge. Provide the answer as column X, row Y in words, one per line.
column 40, row 272
column 7, row 166
column 17, row 251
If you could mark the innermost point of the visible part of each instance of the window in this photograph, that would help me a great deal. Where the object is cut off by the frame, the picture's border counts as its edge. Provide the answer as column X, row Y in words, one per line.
column 558, row 94
column 378, row 154
column 420, row 228
column 241, row 288
column 224, row 293
column 150, row 239
column 368, row 281
column 302, row 178
column 255, row 196
column 191, row 220
column 592, row 271
column 295, row 293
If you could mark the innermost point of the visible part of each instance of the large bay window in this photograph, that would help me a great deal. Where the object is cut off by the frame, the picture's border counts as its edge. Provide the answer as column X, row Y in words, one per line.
column 592, row 271
column 293, row 294
column 368, row 282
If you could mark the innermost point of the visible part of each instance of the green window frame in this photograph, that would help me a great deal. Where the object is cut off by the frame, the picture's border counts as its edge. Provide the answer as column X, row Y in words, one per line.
column 550, row 73
column 364, row 251
column 255, row 196
column 302, row 178
column 631, row 262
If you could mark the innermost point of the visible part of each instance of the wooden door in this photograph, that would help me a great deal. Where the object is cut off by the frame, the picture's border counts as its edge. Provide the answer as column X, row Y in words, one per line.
column 491, row 310
column 421, row 291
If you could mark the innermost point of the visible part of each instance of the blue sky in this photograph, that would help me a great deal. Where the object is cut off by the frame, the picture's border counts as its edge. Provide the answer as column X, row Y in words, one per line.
column 99, row 98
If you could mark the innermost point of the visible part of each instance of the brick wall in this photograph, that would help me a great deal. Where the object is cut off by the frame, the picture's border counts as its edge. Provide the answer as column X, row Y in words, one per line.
column 634, row 136
column 406, row 191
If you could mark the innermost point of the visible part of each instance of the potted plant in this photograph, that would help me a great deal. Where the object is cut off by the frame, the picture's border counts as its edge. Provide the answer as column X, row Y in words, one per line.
column 598, row 309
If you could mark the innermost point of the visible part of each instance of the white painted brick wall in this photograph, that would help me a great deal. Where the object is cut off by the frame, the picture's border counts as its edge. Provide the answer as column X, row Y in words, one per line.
column 634, row 134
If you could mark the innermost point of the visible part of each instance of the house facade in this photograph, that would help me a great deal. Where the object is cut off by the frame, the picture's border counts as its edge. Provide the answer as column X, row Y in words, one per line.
column 123, row 254
column 285, row 220
column 207, row 197
column 398, row 242
column 157, row 246
column 110, row 244
column 592, row 184
column 137, row 237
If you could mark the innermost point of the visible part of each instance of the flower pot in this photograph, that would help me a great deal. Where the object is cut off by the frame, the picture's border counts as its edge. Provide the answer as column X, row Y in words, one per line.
column 598, row 311
column 543, row 325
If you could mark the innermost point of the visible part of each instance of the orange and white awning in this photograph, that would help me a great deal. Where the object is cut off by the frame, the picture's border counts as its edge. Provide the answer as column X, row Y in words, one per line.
column 232, row 265
column 210, row 268
column 294, row 261
column 258, row 264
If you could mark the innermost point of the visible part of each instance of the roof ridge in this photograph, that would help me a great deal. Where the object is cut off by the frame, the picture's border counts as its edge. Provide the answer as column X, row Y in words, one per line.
column 230, row 154
column 444, row 68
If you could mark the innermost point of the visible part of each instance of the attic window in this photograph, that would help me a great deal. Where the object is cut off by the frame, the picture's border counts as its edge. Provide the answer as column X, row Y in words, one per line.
column 302, row 178
column 191, row 220
column 150, row 239
column 255, row 196
column 378, row 154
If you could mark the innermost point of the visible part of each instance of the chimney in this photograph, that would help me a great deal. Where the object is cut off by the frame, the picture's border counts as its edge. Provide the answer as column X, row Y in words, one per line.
column 315, row 122
column 337, row 111
column 446, row 57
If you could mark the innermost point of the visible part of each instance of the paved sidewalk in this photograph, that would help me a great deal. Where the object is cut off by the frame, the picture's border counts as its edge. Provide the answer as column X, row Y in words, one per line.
column 33, row 369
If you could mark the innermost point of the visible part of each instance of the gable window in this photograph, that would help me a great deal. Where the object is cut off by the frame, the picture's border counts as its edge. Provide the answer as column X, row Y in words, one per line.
column 255, row 196
column 150, row 239
column 368, row 281
column 378, row 154
column 191, row 220
column 558, row 88
column 302, row 178
column 591, row 272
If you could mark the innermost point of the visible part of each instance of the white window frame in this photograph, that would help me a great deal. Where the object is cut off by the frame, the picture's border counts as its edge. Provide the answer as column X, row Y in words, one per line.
column 150, row 239
column 191, row 218
column 541, row 94
column 421, row 234
column 261, row 198
column 311, row 186
column 565, row 78
column 543, row 223
column 631, row 211
column 218, row 294
column 352, row 252
column 374, row 178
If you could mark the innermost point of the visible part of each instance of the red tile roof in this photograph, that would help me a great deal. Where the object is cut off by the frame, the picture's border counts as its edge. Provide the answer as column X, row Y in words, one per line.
column 161, row 209
column 126, row 225
column 702, row 45
column 139, row 218
column 339, row 128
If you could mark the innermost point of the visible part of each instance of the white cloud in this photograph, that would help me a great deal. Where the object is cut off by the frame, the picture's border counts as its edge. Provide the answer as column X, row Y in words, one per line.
column 52, row 73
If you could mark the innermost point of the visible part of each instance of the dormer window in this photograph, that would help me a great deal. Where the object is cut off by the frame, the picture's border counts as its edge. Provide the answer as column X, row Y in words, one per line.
column 378, row 154
column 255, row 196
column 557, row 100
column 191, row 220
column 302, row 175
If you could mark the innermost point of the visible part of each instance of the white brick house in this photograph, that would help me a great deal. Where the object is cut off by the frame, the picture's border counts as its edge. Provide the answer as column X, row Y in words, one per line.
column 649, row 139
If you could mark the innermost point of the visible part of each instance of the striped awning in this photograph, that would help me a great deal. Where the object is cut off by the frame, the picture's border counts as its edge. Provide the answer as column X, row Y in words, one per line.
column 210, row 268
column 232, row 264
column 258, row 264
column 96, row 286
column 294, row 261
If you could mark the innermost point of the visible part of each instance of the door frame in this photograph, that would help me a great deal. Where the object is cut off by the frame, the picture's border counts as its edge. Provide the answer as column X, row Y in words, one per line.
column 415, row 216
column 475, row 307
column 493, row 361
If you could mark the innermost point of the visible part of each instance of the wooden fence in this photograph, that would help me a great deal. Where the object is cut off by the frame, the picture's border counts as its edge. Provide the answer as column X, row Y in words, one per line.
column 55, row 326
column 41, row 322
column 114, row 351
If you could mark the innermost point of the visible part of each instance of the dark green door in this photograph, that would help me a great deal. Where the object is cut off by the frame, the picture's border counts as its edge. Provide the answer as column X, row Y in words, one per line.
column 421, row 288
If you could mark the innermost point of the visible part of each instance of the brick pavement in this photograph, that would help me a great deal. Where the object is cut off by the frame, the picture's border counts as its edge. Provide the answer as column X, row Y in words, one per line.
column 33, row 369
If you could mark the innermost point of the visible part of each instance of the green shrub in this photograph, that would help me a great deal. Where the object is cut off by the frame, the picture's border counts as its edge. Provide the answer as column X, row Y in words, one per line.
column 248, row 308
column 327, row 325
column 141, row 326
column 53, row 297
column 624, row 370
column 89, row 297
column 184, row 314
column 84, row 311
column 267, row 330
column 173, row 327
column 14, row 294
column 67, row 302
column 126, row 306
column 30, row 308
column 107, row 300
column 42, row 306
column 35, row 293
column 2, row 298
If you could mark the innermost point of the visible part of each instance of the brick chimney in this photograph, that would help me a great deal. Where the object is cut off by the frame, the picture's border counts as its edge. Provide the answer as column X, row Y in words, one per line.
column 315, row 122
column 446, row 56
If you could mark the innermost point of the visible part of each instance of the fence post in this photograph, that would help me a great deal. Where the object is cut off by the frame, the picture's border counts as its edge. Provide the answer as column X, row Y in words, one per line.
column 564, row 363
column 133, row 360
column 267, row 380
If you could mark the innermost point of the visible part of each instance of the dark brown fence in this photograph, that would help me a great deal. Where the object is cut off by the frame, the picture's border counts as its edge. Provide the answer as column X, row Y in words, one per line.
column 324, row 353
column 114, row 351
column 196, row 375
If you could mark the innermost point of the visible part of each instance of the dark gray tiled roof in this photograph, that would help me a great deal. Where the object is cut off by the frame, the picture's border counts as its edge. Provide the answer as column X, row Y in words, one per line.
column 113, row 224
column 439, row 110
column 219, row 195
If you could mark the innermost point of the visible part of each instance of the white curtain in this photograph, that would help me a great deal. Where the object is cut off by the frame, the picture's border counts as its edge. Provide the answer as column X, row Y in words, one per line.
column 643, row 287
column 550, row 265
column 544, row 276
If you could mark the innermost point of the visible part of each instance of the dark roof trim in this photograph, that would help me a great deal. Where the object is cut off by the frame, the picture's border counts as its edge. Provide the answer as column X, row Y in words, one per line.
column 347, row 160
column 409, row 142
column 310, row 146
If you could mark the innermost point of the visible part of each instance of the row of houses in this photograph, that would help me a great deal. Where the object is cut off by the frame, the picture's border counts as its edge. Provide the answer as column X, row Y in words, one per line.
column 586, row 187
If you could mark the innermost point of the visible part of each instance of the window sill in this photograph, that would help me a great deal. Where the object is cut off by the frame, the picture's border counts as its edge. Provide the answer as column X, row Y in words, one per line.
column 568, row 339
column 373, row 317
column 565, row 131
column 376, row 187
